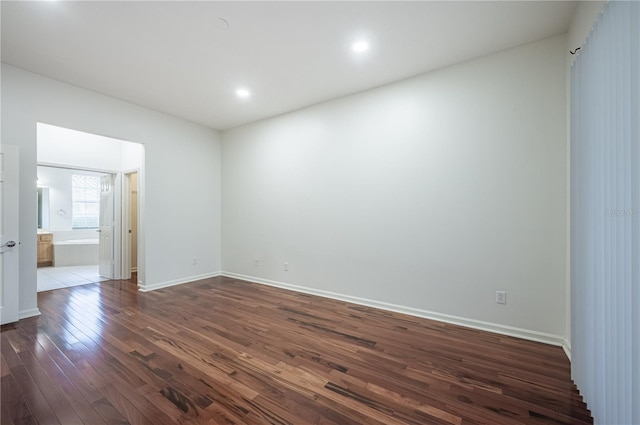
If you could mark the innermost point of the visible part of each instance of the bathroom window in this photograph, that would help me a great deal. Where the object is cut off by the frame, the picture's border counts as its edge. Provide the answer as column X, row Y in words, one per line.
column 85, row 193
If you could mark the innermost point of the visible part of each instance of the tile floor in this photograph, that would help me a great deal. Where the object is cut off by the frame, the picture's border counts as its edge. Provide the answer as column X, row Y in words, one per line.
column 63, row 277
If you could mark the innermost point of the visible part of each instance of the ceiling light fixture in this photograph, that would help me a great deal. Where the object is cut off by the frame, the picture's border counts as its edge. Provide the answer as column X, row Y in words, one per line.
column 360, row 46
column 243, row 93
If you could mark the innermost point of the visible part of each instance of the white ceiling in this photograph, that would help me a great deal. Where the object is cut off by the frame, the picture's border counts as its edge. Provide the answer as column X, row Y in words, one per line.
column 172, row 56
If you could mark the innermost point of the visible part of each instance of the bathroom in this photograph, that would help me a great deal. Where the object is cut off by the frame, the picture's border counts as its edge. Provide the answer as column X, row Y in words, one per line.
column 68, row 213
column 87, row 189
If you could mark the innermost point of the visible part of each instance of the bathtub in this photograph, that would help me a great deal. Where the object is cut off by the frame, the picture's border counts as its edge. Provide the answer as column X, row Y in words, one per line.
column 75, row 252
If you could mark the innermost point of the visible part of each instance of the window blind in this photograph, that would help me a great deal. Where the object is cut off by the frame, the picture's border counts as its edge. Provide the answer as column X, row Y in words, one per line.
column 85, row 195
column 605, row 216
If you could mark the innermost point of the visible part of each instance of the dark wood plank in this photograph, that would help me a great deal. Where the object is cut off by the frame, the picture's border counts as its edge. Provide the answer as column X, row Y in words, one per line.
column 224, row 351
column 36, row 402
column 51, row 391
column 14, row 407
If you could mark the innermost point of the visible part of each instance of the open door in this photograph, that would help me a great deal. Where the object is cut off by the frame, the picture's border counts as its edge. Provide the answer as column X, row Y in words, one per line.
column 105, row 251
column 9, row 221
column 133, row 221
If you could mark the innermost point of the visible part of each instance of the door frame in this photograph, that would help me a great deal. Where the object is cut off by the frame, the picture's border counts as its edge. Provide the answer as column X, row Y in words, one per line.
column 125, row 271
column 118, row 182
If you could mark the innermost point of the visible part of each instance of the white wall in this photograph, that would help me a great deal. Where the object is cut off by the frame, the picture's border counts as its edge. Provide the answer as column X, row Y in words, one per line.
column 182, row 174
column 62, row 146
column 426, row 195
column 71, row 148
column 132, row 157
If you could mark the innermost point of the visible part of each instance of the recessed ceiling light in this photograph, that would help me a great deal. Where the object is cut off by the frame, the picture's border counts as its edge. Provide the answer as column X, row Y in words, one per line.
column 243, row 93
column 360, row 46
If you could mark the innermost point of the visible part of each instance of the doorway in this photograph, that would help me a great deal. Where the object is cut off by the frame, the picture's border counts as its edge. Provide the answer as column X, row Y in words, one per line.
column 115, row 163
column 130, row 237
column 76, row 206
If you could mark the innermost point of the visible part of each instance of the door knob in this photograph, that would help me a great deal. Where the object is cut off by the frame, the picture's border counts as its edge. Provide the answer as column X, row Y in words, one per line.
column 9, row 244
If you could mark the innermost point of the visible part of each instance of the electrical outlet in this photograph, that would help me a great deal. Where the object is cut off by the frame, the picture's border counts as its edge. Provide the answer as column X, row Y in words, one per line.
column 256, row 262
column 195, row 261
column 286, row 267
column 501, row 297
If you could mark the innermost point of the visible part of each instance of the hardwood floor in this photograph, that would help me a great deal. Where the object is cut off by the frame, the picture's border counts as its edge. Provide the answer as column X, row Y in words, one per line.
column 224, row 351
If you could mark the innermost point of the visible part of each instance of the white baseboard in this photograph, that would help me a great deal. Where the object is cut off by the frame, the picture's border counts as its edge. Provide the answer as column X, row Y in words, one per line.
column 566, row 346
column 159, row 285
column 28, row 313
column 527, row 334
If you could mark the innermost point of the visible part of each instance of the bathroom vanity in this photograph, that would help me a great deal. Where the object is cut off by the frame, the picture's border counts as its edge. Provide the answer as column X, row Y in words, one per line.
column 45, row 249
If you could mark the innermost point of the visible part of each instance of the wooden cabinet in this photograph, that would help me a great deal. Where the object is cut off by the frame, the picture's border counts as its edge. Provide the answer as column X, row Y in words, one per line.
column 45, row 249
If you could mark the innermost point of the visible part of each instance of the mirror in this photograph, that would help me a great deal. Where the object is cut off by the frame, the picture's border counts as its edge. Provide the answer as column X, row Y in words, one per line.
column 43, row 207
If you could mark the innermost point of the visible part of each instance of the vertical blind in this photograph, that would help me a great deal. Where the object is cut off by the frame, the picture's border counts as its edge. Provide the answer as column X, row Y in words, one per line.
column 605, row 216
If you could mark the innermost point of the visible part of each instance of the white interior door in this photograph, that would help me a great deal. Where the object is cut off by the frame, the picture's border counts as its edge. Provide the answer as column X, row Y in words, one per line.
column 107, row 215
column 133, row 220
column 126, row 228
column 9, row 221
